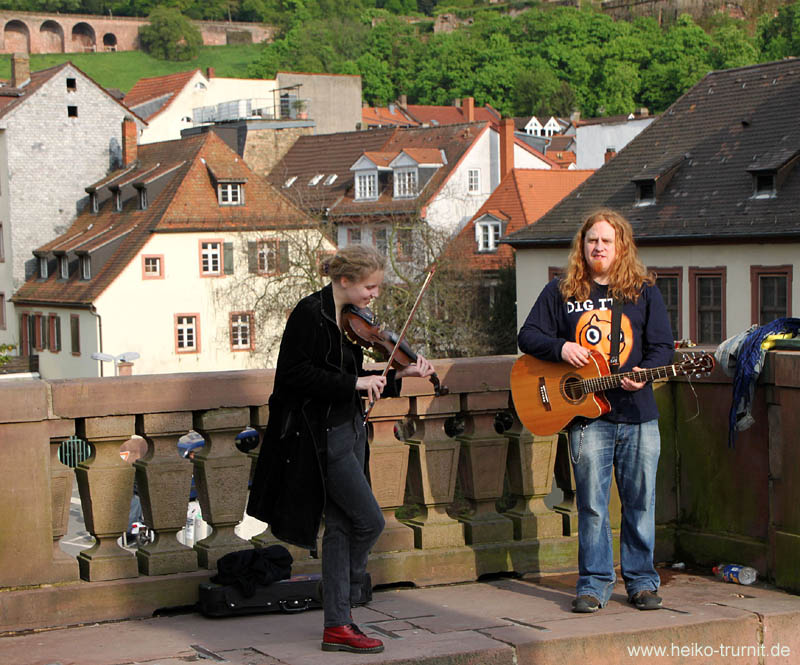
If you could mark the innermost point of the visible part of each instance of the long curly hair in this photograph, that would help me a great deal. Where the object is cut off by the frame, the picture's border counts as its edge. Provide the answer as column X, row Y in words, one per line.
column 628, row 273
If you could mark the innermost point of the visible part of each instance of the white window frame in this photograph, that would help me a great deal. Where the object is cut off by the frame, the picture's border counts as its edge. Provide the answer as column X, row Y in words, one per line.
column 330, row 179
column 474, row 181
column 241, row 331
column 186, row 333
column 405, row 183
column 315, row 180
column 211, row 257
column 86, row 267
column 63, row 267
column 42, row 267
column 230, row 194
column 487, row 234
column 268, row 256
column 157, row 262
column 367, row 186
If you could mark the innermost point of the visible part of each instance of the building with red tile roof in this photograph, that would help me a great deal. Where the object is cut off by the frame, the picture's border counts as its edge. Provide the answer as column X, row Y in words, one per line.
column 166, row 260
column 374, row 185
column 401, row 114
column 58, row 128
column 522, row 197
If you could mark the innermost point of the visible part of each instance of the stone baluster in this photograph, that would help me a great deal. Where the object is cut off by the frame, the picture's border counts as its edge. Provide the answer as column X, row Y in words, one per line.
column 432, row 469
column 565, row 481
column 388, row 467
column 531, row 459
column 164, row 480
column 482, row 468
column 105, row 483
column 221, row 473
column 61, row 477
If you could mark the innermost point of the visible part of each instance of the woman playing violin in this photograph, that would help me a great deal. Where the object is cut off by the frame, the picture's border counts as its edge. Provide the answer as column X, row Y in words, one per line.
column 314, row 458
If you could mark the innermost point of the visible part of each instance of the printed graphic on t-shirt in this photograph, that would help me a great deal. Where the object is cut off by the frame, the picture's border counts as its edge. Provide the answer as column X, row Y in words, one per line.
column 593, row 331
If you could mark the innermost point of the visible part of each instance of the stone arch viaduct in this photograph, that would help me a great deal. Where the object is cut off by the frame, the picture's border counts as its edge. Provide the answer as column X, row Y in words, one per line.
column 33, row 32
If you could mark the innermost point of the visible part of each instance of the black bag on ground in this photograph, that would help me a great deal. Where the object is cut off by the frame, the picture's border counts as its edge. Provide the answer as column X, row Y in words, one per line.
column 298, row 593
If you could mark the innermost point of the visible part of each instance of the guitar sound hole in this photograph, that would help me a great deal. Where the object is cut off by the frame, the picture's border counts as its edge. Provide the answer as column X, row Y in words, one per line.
column 571, row 388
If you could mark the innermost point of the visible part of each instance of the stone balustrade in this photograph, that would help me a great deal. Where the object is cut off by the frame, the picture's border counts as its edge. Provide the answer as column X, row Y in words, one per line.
column 463, row 485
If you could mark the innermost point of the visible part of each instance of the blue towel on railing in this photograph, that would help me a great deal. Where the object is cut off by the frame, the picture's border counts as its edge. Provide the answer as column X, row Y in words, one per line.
column 746, row 349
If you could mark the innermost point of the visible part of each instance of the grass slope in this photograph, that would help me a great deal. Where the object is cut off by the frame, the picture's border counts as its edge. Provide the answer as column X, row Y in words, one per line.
column 121, row 69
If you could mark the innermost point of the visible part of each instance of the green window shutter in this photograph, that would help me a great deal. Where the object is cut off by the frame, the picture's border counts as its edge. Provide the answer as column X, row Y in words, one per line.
column 252, row 256
column 228, row 258
column 283, row 248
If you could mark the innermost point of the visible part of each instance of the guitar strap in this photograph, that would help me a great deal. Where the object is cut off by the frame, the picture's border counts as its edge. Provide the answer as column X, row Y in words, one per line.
column 616, row 322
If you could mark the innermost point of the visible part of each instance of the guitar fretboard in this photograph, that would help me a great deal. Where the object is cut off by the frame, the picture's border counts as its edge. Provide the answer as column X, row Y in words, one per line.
column 614, row 380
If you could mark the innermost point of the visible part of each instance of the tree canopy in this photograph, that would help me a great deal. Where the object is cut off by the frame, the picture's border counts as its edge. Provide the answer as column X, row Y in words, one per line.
column 547, row 60
column 170, row 35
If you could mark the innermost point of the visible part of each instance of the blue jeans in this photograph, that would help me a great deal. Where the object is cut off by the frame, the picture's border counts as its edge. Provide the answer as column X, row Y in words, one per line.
column 632, row 451
column 353, row 522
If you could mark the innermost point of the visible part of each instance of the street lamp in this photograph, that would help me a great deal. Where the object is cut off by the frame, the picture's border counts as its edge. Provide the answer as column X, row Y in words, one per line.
column 127, row 357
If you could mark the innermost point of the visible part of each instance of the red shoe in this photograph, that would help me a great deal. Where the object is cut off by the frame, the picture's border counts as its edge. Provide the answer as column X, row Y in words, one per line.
column 349, row 638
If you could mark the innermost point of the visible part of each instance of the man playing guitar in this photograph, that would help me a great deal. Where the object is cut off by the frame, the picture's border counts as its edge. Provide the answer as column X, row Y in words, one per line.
column 570, row 319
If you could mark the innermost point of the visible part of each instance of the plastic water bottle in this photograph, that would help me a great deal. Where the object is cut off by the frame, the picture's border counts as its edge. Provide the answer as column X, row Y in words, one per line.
column 732, row 572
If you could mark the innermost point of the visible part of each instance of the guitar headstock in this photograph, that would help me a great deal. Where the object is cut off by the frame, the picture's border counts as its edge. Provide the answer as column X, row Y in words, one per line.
column 698, row 364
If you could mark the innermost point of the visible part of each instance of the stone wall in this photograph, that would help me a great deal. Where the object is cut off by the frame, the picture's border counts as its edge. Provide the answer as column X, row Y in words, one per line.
column 439, row 466
column 34, row 32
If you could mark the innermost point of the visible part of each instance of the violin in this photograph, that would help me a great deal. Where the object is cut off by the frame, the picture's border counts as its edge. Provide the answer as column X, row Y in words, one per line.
column 361, row 327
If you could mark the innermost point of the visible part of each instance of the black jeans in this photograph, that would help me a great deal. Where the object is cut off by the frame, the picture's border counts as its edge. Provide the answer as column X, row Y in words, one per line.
column 353, row 522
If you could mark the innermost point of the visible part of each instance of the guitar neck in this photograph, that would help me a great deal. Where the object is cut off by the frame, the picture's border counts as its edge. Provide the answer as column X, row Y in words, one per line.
column 610, row 381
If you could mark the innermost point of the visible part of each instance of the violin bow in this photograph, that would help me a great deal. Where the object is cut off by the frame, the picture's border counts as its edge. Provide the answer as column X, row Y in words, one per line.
column 402, row 334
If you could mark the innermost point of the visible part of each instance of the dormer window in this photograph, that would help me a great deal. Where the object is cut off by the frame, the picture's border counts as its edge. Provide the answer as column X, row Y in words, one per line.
column 118, row 199
column 230, row 193
column 93, row 202
column 764, row 186
column 366, row 186
column 405, row 183
column 143, row 198
column 42, row 267
column 63, row 267
column 86, row 267
column 651, row 182
column 487, row 235
column 770, row 170
column 645, row 192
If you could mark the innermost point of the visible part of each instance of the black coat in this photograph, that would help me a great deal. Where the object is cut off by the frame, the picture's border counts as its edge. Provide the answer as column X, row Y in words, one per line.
column 288, row 489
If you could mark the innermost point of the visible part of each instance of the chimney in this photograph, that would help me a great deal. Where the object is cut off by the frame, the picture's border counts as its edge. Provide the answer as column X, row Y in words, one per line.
column 20, row 70
column 468, row 104
column 506, row 146
column 457, row 102
column 575, row 116
column 610, row 154
column 209, row 72
column 130, row 140
column 643, row 112
column 124, row 368
column 403, row 101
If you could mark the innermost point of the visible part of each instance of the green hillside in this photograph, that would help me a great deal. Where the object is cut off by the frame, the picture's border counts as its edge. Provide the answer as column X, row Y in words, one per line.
column 122, row 69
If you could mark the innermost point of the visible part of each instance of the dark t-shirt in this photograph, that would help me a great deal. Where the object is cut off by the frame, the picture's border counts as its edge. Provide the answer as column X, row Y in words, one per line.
column 645, row 339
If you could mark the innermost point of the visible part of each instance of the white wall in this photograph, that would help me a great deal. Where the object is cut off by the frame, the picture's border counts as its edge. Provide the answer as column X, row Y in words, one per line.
column 139, row 314
column 167, row 125
column 532, row 271
column 454, row 205
column 593, row 140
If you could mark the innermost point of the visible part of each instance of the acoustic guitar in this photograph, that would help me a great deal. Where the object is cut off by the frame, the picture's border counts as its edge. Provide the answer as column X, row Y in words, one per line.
column 548, row 395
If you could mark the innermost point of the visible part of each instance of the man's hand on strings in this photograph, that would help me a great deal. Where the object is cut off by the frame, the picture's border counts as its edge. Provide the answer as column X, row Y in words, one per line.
column 630, row 385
